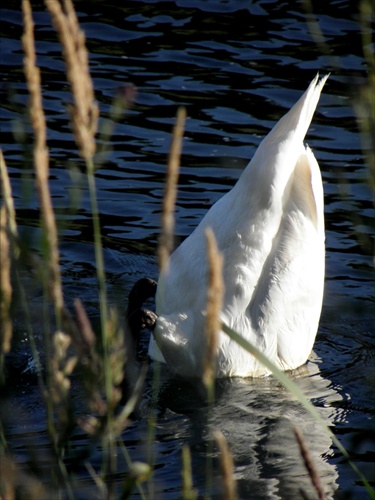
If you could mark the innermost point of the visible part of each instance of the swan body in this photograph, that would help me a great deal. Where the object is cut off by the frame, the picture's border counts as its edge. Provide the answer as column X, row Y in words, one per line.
column 270, row 229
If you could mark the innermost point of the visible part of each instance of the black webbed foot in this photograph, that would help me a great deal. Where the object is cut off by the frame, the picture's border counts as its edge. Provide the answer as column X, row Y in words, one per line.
column 148, row 319
column 137, row 317
column 140, row 319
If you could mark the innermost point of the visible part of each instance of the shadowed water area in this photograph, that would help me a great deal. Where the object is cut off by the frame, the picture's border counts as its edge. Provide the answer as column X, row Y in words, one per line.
column 237, row 67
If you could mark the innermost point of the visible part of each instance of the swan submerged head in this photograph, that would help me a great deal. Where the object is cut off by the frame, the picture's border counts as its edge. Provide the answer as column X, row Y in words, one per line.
column 270, row 230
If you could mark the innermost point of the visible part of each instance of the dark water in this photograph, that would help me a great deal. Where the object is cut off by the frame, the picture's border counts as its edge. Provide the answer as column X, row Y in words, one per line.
column 237, row 67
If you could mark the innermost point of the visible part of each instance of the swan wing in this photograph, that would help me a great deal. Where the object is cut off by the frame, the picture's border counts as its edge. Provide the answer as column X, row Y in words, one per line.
column 285, row 305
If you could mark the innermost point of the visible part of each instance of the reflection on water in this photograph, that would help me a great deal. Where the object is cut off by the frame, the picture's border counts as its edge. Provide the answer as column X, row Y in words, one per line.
column 236, row 68
column 267, row 421
column 257, row 417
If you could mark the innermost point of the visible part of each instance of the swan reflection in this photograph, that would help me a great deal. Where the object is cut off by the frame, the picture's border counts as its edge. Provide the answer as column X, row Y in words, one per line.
column 257, row 417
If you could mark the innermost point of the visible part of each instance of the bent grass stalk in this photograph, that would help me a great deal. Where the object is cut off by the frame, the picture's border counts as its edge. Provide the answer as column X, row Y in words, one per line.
column 165, row 244
column 226, row 466
column 8, row 199
column 309, row 464
column 8, row 242
column 363, row 101
column 215, row 293
column 293, row 388
column 365, row 104
column 84, row 113
column 52, row 277
column 170, row 193
column 188, row 491
column 12, row 254
column 5, row 291
column 41, row 161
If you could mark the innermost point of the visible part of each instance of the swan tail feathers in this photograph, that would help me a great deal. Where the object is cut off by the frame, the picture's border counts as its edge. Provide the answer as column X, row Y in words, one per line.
column 279, row 152
column 298, row 119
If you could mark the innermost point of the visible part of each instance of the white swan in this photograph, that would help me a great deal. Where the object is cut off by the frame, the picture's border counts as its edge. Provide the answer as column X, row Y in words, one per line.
column 270, row 230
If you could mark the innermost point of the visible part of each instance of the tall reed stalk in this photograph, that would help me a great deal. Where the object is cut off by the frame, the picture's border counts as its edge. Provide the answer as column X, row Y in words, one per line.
column 84, row 114
column 215, row 293
column 8, row 234
column 309, row 464
column 52, row 276
column 170, row 193
column 58, row 370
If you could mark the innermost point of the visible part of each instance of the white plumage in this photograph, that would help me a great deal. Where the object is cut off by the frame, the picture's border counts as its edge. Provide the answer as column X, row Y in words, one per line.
column 270, row 230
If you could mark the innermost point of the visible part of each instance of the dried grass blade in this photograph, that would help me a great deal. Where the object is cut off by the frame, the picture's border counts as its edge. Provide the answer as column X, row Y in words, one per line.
column 8, row 245
column 170, row 194
column 227, row 467
column 214, row 304
column 41, row 158
column 5, row 289
column 8, row 198
column 309, row 464
column 85, row 111
column 294, row 389
column 188, row 490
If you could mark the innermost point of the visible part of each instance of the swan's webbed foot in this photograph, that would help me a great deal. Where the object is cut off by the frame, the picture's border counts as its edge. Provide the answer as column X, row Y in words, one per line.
column 144, row 318
column 139, row 318
column 149, row 319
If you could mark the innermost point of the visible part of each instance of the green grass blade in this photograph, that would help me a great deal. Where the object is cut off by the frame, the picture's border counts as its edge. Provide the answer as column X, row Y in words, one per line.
column 283, row 378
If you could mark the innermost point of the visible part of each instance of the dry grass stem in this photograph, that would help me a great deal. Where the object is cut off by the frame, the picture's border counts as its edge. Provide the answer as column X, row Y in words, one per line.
column 117, row 351
column 87, row 336
column 89, row 360
column 170, row 194
column 214, row 303
column 8, row 235
column 312, row 21
column 41, row 159
column 365, row 103
column 188, row 491
column 122, row 419
column 57, row 394
column 62, row 367
column 5, row 287
column 15, row 483
column 33, row 80
column 226, row 466
column 309, row 464
column 84, row 112
column 8, row 198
